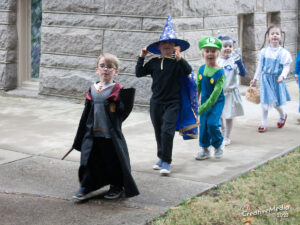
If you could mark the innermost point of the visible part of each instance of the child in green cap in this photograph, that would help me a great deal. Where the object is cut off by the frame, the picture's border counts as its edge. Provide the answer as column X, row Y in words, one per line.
column 210, row 82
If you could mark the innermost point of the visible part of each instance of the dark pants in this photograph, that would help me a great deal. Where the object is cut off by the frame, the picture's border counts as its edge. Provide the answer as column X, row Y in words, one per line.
column 164, row 117
column 103, row 166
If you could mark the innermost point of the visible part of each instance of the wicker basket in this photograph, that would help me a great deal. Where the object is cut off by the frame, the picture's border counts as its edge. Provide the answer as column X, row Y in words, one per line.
column 253, row 95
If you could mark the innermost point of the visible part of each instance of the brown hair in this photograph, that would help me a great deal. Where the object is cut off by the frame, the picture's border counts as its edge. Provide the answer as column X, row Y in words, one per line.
column 267, row 33
column 110, row 58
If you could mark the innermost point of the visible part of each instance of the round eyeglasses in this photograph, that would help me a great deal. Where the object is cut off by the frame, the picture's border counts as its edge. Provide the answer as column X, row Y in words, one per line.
column 108, row 68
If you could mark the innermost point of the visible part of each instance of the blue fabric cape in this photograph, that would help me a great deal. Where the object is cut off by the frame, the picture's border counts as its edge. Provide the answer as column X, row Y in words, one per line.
column 187, row 121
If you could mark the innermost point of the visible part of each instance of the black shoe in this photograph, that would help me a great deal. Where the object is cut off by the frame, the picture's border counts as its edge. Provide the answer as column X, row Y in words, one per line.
column 113, row 192
column 83, row 193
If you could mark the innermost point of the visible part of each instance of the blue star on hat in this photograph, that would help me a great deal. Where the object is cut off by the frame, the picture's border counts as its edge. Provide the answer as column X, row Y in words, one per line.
column 168, row 35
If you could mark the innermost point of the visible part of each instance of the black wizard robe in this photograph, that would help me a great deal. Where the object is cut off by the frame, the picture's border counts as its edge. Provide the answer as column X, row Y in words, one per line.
column 117, row 108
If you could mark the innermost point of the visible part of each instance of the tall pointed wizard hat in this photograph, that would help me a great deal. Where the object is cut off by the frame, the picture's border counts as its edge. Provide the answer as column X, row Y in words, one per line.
column 168, row 35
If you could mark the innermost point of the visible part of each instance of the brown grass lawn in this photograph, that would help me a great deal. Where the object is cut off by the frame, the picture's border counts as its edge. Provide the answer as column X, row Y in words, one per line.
column 268, row 195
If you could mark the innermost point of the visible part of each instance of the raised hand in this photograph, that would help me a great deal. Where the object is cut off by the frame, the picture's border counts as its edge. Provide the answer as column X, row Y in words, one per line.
column 144, row 52
column 236, row 54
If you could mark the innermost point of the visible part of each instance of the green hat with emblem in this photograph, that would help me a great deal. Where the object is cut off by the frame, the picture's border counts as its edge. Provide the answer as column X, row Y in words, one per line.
column 209, row 41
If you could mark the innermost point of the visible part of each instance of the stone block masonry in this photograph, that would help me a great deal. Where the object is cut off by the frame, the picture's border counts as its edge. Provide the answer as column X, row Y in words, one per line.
column 75, row 32
column 8, row 45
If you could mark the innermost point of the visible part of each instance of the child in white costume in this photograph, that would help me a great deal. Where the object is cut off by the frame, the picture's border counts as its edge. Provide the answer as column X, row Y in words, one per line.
column 233, row 67
column 273, row 68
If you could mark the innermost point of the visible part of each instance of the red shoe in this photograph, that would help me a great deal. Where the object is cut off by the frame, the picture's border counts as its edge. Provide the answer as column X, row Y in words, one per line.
column 281, row 121
column 262, row 129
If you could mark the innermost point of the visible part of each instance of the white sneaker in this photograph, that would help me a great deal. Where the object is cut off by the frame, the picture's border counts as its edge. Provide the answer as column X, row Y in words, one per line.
column 219, row 152
column 226, row 141
column 204, row 154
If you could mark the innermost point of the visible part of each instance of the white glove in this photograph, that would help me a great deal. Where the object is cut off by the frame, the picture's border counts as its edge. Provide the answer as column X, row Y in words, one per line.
column 236, row 54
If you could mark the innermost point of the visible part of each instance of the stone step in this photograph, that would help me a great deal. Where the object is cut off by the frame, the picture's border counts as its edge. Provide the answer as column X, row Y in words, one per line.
column 23, row 92
column 29, row 88
column 32, row 84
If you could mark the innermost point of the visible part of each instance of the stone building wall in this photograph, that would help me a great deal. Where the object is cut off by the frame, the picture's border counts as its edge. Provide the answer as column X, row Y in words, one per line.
column 8, row 45
column 75, row 32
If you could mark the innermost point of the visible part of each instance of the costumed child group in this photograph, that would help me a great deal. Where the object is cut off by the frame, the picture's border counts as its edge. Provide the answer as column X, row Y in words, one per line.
column 174, row 105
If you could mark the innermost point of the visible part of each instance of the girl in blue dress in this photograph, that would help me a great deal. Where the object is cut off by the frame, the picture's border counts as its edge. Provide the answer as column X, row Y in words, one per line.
column 272, row 70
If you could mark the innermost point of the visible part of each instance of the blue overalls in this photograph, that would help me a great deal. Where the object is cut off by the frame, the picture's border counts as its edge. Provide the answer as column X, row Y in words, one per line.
column 210, row 133
column 272, row 92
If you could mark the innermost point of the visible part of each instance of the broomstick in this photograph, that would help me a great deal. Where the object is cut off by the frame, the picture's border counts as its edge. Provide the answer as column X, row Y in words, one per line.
column 67, row 154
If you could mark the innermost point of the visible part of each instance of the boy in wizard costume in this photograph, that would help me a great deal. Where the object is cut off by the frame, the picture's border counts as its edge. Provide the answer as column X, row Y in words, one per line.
column 104, row 154
column 173, row 105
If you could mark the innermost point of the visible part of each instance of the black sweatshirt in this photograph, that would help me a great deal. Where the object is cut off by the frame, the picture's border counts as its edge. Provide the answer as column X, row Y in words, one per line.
column 165, row 73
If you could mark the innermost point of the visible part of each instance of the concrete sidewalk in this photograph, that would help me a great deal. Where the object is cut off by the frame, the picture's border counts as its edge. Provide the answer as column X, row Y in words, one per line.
column 36, row 187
